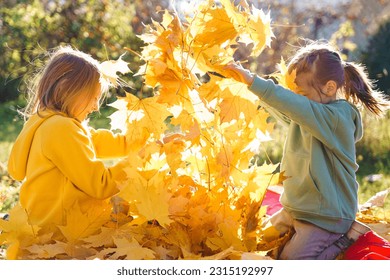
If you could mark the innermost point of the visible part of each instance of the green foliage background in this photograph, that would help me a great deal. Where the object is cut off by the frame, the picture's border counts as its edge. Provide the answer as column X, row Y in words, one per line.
column 30, row 28
column 377, row 57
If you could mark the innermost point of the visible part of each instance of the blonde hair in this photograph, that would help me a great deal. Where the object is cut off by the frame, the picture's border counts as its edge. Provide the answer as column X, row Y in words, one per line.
column 325, row 63
column 70, row 76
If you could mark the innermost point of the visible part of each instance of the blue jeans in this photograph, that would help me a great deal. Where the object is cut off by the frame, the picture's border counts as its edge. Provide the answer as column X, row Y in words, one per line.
column 309, row 242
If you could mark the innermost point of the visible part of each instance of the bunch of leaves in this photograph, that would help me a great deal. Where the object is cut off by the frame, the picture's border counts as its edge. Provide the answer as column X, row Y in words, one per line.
column 193, row 190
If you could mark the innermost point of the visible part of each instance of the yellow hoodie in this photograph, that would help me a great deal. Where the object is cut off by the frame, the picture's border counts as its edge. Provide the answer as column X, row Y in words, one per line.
column 57, row 157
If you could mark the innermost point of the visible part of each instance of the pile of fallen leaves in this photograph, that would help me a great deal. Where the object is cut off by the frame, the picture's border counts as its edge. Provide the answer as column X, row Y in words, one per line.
column 194, row 190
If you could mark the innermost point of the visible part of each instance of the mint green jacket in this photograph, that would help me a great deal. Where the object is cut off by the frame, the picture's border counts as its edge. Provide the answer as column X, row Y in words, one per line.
column 319, row 155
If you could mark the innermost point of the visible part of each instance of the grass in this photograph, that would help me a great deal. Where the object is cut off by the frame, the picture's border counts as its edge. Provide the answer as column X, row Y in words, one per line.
column 373, row 152
column 11, row 122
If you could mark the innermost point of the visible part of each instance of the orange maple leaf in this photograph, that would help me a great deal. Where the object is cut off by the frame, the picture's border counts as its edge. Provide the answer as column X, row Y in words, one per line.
column 285, row 77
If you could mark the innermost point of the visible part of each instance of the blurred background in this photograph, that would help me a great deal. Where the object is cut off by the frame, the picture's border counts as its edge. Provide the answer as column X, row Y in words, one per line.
column 359, row 28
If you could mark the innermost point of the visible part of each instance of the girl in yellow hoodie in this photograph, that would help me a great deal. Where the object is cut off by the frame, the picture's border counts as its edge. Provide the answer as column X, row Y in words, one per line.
column 55, row 154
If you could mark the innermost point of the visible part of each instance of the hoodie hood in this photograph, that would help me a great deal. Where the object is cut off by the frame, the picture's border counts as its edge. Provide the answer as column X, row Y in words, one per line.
column 17, row 163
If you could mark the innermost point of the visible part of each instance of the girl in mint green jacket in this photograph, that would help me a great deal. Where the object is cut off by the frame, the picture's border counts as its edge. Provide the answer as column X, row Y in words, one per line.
column 320, row 196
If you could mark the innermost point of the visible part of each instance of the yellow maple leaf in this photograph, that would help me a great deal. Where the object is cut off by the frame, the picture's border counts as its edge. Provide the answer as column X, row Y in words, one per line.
column 210, row 92
column 148, row 113
column 17, row 232
column 178, row 235
column 250, row 224
column 128, row 249
column 272, row 239
column 194, row 113
column 226, row 237
column 17, row 224
column 209, row 58
column 184, row 119
column 166, row 35
column 260, row 121
column 139, row 118
column 236, row 16
column 173, row 26
column 236, row 101
column 166, row 63
column 110, row 68
column 149, row 193
column 80, row 224
column 172, row 150
column 285, row 78
column 172, row 82
column 46, row 251
column 234, row 106
column 225, row 160
column 102, row 239
column 258, row 30
column 252, row 24
column 210, row 26
column 255, row 180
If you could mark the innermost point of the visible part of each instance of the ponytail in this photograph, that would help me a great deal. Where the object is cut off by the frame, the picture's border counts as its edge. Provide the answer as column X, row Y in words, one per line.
column 360, row 89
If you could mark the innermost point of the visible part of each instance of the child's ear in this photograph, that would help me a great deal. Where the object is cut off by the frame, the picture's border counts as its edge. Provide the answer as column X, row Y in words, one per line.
column 330, row 88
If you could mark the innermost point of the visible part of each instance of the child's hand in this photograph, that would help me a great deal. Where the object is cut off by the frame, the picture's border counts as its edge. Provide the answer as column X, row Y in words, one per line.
column 238, row 73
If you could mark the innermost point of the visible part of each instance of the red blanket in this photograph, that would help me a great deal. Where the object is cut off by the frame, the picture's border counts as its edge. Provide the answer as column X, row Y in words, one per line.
column 369, row 246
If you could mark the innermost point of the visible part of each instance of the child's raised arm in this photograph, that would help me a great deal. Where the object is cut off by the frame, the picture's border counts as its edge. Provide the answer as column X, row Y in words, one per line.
column 238, row 73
